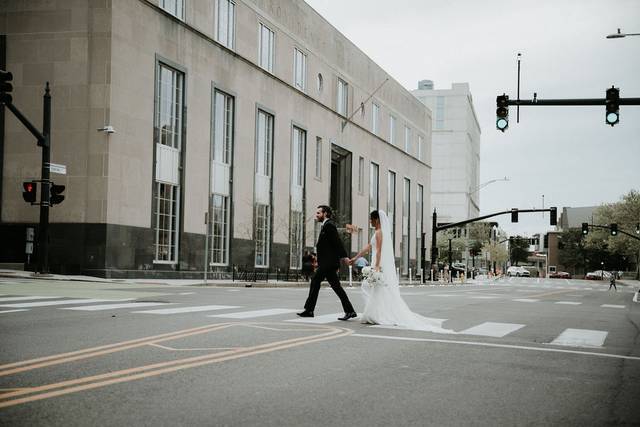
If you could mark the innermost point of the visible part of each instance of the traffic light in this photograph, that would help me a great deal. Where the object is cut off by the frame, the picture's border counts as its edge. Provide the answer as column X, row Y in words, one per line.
column 56, row 194
column 514, row 215
column 6, row 87
column 585, row 228
column 613, row 106
column 30, row 191
column 614, row 229
column 553, row 216
column 502, row 112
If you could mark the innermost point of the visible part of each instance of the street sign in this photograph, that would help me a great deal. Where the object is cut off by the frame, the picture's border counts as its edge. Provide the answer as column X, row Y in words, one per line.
column 59, row 169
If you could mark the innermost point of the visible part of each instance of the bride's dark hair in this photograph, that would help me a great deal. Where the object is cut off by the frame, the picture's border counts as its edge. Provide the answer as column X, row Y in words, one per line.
column 374, row 215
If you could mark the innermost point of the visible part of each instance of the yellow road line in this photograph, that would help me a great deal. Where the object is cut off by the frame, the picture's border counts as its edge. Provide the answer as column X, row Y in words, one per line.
column 132, row 374
column 113, row 348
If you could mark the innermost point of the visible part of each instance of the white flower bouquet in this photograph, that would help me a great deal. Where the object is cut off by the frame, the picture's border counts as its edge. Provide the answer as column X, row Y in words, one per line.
column 374, row 278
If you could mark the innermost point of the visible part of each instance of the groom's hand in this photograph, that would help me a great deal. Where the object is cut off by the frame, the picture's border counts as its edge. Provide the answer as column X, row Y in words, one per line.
column 345, row 260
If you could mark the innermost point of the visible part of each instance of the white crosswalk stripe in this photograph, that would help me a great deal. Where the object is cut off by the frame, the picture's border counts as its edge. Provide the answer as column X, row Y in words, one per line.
column 580, row 338
column 255, row 313
column 179, row 310
column 568, row 302
column 14, row 311
column 59, row 302
column 325, row 318
column 492, row 329
column 432, row 319
column 613, row 306
column 526, row 300
column 7, row 299
column 115, row 306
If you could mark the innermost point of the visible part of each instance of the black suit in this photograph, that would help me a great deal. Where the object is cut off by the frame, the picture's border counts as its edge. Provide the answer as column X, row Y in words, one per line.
column 330, row 251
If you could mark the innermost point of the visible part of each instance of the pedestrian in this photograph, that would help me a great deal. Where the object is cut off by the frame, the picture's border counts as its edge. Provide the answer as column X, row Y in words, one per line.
column 307, row 265
column 612, row 281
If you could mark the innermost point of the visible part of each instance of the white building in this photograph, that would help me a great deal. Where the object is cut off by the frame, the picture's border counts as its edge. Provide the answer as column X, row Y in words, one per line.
column 455, row 152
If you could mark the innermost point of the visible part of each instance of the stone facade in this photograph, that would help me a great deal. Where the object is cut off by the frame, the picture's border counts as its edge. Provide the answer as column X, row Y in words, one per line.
column 103, row 60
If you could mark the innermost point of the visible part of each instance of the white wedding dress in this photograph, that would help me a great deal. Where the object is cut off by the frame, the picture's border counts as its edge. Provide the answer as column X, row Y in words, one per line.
column 383, row 303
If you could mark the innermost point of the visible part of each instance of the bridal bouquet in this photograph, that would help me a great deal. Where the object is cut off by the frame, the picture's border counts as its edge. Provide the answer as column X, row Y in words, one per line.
column 374, row 278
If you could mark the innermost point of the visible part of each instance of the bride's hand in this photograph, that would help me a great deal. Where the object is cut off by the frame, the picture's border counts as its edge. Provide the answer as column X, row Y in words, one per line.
column 376, row 268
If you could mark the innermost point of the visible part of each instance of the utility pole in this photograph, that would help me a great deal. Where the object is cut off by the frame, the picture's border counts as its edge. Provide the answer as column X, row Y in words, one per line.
column 43, row 253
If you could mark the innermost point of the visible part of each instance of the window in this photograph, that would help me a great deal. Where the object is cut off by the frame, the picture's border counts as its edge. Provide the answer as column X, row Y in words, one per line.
column 420, row 143
column 406, row 218
column 407, row 138
column 262, row 217
column 318, row 157
column 166, row 214
column 266, row 48
column 440, row 112
column 343, row 97
column 262, row 195
column 299, row 69
column 223, row 115
column 225, row 22
column 361, row 175
column 219, row 230
column 296, row 217
column 391, row 204
column 375, row 119
column 174, row 7
column 374, row 178
column 419, row 229
column 392, row 130
column 264, row 144
column 168, row 145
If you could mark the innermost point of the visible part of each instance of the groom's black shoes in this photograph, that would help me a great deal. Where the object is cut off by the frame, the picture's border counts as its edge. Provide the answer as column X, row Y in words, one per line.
column 348, row 316
column 306, row 314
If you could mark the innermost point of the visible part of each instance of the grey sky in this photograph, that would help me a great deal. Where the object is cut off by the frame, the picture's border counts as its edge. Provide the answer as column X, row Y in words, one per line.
column 566, row 153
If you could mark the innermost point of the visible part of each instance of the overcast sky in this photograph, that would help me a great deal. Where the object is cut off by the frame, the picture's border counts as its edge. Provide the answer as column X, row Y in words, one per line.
column 567, row 154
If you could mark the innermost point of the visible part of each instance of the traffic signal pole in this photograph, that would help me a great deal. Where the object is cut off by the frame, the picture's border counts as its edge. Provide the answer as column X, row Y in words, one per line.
column 43, row 253
column 435, row 228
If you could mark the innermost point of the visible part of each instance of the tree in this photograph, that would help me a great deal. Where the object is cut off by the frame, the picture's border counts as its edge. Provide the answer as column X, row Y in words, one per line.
column 518, row 249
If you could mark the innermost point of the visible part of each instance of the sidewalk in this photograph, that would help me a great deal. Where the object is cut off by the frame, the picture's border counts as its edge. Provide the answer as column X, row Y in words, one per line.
column 19, row 274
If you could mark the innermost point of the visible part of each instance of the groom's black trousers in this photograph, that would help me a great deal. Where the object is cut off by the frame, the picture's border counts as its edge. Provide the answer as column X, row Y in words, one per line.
column 331, row 275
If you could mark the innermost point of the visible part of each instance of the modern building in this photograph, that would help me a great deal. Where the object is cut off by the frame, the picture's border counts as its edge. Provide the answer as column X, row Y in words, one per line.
column 204, row 133
column 456, row 151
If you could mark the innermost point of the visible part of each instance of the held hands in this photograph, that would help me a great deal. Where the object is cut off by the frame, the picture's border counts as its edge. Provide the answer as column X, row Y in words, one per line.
column 376, row 268
column 346, row 261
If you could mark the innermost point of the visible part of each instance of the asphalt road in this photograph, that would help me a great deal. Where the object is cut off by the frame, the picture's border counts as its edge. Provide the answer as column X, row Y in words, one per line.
column 525, row 352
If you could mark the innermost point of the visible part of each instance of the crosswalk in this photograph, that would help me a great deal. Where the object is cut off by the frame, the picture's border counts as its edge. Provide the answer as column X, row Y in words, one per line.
column 570, row 337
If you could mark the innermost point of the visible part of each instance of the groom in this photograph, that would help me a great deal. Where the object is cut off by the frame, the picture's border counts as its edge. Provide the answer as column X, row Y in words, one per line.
column 330, row 253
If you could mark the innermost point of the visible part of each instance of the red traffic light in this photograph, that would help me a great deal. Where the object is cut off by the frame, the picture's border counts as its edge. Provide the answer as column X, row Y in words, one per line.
column 30, row 191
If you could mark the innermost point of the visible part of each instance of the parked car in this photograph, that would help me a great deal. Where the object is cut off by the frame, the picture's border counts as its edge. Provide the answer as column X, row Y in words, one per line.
column 598, row 275
column 518, row 271
column 559, row 275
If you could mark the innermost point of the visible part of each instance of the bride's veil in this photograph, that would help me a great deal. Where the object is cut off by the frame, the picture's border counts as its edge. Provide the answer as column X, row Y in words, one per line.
column 387, row 261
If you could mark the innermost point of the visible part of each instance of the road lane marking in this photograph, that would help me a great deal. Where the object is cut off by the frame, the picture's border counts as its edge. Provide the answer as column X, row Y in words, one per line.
column 26, row 365
column 526, row 300
column 14, row 311
column 613, row 306
column 116, row 306
column 580, row 338
column 509, row 346
column 141, row 372
column 60, row 302
column 568, row 302
column 546, row 294
column 7, row 299
column 255, row 313
column 431, row 319
column 492, row 329
column 484, row 297
column 193, row 309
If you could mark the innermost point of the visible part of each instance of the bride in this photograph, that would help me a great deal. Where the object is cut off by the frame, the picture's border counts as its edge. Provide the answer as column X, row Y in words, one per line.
column 383, row 303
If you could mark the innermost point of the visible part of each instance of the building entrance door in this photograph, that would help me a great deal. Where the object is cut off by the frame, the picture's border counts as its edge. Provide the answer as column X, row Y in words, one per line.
column 340, row 191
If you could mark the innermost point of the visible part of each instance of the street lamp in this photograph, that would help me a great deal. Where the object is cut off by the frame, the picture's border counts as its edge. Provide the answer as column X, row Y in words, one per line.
column 620, row 35
column 480, row 187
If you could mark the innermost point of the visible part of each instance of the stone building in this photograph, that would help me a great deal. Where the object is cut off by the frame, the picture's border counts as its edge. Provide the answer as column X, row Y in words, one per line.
column 246, row 113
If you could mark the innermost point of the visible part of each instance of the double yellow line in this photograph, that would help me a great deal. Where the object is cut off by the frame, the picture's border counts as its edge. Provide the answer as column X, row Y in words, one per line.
column 30, row 394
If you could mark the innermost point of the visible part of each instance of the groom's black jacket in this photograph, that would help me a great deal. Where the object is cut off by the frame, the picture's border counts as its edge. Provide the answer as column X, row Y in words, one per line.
column 329, row 247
